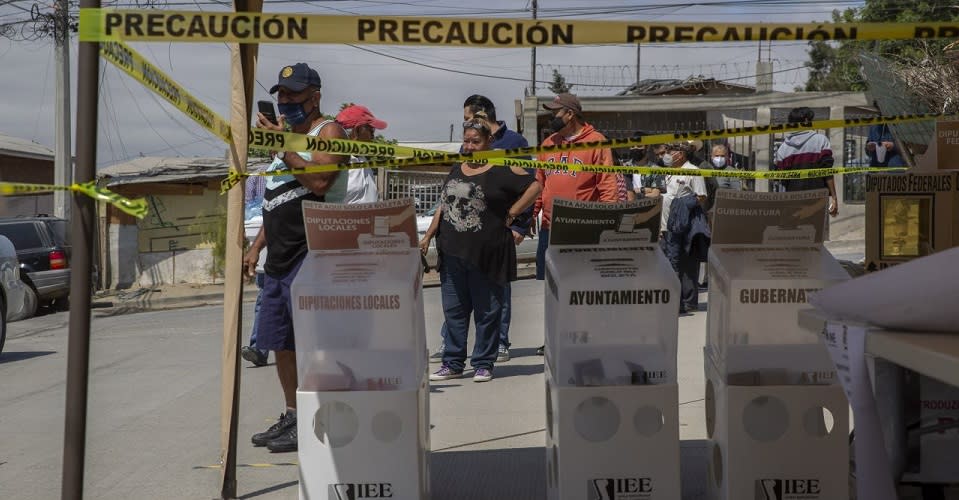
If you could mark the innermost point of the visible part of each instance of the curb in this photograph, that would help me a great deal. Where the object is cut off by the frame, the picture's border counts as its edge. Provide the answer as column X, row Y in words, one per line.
column 143, row 304
column 151, row 301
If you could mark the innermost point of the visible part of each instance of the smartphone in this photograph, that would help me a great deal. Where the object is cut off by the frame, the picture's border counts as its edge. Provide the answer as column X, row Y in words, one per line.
column 267, row 109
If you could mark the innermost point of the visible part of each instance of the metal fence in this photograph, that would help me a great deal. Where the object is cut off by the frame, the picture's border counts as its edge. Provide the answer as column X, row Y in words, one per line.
column 423, row 187
column 854, row 155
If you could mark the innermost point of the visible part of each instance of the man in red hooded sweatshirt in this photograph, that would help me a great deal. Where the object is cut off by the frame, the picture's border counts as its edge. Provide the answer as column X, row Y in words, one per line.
column 570, row 127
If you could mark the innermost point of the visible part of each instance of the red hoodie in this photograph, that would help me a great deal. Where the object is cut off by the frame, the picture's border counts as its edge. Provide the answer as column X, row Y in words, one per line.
column 582, row 186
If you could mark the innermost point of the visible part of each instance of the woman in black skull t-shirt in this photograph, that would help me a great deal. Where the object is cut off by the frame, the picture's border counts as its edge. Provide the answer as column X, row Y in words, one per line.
column 477, row 252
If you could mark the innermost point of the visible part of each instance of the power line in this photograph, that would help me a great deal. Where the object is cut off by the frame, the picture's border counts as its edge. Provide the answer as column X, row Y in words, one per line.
column 449, row 70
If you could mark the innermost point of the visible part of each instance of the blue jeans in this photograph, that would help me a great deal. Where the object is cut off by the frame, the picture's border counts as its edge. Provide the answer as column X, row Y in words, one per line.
column 507, row 316
column 541, row 247
column 465, row 290
column 504, row 324
column 686, row 267
column 256, row 312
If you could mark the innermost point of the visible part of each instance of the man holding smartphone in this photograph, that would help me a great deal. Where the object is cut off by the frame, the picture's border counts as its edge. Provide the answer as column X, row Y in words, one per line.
column 283, row 233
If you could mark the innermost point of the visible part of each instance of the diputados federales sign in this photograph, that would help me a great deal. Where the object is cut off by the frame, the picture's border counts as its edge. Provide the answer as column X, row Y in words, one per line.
column 910, row 215
column 186, row 26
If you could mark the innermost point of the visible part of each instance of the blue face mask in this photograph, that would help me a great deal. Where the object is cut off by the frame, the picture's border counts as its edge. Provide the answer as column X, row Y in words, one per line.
column 293, row 112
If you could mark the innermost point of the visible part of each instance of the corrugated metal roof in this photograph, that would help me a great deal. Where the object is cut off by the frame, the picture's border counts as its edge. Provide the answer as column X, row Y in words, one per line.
column 659, row 86
column 151, row 169
column 23, row 148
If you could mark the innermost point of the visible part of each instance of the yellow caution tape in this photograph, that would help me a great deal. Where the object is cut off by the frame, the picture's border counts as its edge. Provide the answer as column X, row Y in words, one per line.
column 17, row 188
column 234, row 177
column 285, row 141
column 132, row 63
column 289, row 141
column 808, row 173
column 231, row 179
column 298, row 142
column 103, row 25
column 136, row 207
column 127, row 59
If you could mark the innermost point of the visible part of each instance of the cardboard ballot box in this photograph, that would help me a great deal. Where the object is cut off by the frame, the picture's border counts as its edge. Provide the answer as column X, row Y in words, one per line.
column 776, row 418
column 364, row 444
column 363, row 396
column 776, row 441
column 755, row 293
column 611, row 337
column 765, row 262
column 611, row 316
column 612, row 442
column 359, row 321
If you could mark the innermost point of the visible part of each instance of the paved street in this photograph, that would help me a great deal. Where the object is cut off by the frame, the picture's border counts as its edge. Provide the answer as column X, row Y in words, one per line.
column 154, row 411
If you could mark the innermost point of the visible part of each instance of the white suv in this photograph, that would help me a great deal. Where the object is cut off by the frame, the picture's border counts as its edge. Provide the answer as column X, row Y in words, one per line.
column 13, row 292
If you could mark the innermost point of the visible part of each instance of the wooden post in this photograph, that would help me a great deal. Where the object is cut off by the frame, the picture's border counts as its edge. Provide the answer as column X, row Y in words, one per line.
column 243, row 70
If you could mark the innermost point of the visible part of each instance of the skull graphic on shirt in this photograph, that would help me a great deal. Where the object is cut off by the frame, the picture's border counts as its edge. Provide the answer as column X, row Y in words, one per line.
column 463, row 202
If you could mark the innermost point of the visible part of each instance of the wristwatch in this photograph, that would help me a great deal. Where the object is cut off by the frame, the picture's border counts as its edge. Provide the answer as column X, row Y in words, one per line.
column 280, row 155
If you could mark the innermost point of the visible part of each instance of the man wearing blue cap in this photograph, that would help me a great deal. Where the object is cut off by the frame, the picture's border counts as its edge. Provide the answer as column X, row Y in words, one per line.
column 283, row 233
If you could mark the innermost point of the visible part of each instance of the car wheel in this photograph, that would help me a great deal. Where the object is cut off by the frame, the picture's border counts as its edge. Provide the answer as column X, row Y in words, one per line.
column 30, row 302
column 3, row 321
column 61, row 304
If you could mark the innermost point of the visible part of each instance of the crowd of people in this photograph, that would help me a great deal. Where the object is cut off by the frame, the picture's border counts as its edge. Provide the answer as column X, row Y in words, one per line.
column 484, row 212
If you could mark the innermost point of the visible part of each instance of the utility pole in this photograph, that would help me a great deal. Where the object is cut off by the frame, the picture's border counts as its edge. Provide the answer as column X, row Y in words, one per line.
column 764, row 71
column 82, row 234
column 639, row 48
column 532, row 63
column 62, row 160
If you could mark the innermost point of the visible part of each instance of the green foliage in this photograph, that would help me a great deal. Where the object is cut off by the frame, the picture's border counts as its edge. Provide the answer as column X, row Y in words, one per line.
column 833, row 65
column 212, row 231
column 219, row 243
column 559, row 85
column 254, row 152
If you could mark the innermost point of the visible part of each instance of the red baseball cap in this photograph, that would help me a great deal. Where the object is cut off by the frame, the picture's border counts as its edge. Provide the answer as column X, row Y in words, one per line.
column 355, row 115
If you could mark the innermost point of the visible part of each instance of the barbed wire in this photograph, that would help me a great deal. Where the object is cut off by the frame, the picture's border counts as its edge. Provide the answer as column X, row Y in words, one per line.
column 44, row 20
column 690, row 77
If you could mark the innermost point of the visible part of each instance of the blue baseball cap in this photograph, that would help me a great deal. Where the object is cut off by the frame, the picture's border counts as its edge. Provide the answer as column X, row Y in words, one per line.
column 296, row 78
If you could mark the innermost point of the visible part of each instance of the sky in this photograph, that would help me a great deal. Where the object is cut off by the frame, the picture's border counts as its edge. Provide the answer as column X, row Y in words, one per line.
column 420, row 103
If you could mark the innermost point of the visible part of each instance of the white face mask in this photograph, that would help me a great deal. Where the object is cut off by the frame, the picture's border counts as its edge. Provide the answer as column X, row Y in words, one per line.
column 719, row 161
column 668, row 159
